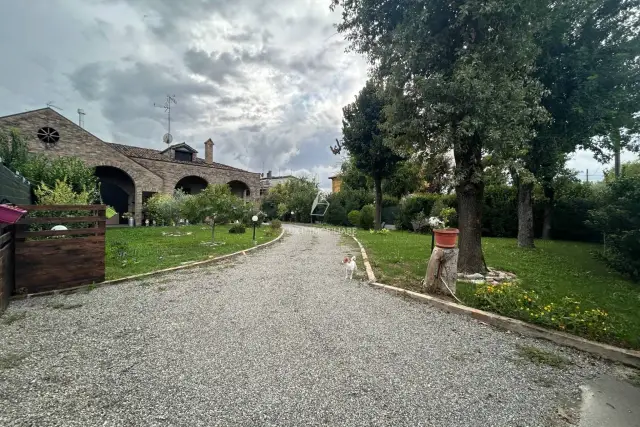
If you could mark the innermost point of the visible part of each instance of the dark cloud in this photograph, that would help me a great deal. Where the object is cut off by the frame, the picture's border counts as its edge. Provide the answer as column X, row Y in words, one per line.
column 264, row 79
column 253, row 128
column 215, row 65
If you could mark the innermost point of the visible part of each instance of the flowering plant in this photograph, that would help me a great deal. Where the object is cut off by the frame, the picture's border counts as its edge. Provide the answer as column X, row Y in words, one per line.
column 435, row 223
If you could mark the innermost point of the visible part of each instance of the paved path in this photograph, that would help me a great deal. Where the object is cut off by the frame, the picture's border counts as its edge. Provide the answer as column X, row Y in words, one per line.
column 276, row 338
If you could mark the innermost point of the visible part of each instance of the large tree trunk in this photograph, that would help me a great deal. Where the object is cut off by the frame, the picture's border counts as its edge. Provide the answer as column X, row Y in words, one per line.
column 548, row 210
column 470, row 194
column 378, row 188
column 525, row 214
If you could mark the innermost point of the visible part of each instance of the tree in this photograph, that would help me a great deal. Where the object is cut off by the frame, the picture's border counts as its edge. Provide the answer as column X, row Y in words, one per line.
column 362, row 136
column 295, row 195
column 407, row 178
column 619, row 219
column 354, row 178
column 438, row 172
column 588, row 63
column 459, row 75
column 13, row 150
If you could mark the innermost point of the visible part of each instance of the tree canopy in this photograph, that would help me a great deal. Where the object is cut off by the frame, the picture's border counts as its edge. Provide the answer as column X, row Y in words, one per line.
column 363, row 137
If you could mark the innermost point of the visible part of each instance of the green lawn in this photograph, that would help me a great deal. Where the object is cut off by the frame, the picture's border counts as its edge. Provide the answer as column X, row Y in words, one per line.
column 553, row 269
column 138, row 250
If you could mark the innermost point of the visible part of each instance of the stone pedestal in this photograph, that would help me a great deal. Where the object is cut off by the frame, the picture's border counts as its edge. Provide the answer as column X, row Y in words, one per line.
column 442, row 272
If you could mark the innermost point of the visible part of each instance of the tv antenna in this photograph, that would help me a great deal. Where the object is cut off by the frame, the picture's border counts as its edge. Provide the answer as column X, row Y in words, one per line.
column 50, row 105
column 81, row 115
column 167, row 138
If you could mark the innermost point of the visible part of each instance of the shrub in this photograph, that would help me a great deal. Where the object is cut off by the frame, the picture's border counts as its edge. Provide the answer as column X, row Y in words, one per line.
column 61, row 194
column 276, row 224
column 41, row 169
column 388, row 201
column 619, row 220
column 237, row 228
column 410, row 206
column 354, row 218
column 367, row 217
column 165, row 209
column 511, row 300
column 336, row 214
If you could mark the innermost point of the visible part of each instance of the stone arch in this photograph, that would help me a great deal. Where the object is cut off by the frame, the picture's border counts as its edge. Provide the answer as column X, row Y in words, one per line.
column 191, row 184
column 118, row 190
column 139, row 179
column 239, row 188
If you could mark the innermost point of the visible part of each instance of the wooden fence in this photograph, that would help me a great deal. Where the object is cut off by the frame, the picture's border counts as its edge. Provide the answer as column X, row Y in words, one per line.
column 48, row 260
column 6, row 265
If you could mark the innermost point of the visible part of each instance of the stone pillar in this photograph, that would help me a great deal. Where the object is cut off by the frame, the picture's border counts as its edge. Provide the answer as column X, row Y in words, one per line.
column 138, row 206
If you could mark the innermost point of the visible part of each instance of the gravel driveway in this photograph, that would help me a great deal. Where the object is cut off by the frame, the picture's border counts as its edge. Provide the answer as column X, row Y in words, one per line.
column 274, row 338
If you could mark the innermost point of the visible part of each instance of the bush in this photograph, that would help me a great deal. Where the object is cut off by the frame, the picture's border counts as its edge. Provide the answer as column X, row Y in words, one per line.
column 336, row 214
column 237, row 228
column 276, row 224
column 500, row 211
column 41, row 169
column 354, row 218
column 410, row 206
column 165, row 209
column 619, row 220
column 511, row 300
column 367, row 217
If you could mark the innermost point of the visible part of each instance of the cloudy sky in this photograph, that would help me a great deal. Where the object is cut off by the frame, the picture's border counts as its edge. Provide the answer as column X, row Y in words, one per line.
column 265, row 80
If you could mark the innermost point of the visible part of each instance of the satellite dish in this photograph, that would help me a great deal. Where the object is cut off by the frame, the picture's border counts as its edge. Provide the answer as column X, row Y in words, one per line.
column 167, row 138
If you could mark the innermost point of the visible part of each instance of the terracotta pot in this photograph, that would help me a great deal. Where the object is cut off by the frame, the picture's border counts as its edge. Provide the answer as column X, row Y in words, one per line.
column 10, row 214
column 446, row 237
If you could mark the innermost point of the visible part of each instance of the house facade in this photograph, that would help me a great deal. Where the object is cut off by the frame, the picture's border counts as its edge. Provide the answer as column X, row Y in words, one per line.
column 130, row 175
column 269, row 181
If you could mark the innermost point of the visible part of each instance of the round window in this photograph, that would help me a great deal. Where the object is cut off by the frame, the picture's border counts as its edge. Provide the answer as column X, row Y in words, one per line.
column 48, row 135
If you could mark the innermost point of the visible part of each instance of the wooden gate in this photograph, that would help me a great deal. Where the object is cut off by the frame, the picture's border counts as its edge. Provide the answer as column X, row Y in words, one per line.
column 48, row 260
column 6, row 265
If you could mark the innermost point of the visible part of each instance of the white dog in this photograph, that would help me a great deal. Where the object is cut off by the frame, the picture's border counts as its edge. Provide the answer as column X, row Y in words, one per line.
column 349, row 267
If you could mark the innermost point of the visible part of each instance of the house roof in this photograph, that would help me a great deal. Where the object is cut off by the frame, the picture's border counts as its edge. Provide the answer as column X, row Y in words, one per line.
column 181, row 145
column 277, row 177
column 139, row 152
column 151, row 154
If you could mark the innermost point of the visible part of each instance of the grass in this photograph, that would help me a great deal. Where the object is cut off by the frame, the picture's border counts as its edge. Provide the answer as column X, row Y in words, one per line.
column 13, row 317
column 143, row 249
column 542, row 357
column 554, row 269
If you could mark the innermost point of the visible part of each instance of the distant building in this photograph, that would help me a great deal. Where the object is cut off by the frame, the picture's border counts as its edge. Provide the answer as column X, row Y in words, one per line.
column 266, row 182
column 336, row 183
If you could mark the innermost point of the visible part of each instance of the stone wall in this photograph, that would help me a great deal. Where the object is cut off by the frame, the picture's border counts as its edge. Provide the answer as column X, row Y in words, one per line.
column 171, row 173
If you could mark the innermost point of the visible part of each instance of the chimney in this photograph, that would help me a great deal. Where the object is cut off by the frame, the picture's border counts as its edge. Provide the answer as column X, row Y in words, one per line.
column 208, row 151
column 269, row 174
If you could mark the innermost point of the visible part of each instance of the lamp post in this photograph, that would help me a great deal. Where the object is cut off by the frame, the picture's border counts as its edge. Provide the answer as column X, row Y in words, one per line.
column 293, row 217
column 255, row 221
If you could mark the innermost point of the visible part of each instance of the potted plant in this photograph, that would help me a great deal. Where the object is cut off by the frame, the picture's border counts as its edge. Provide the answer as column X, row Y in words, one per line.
column 129, row 217
column 445, row 237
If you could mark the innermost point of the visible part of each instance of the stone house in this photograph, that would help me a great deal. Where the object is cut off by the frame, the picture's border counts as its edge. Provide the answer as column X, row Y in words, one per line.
column 130, row 175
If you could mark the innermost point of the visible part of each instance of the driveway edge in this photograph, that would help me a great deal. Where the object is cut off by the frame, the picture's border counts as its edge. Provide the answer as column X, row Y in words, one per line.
column 152, row 273
column 609, row 352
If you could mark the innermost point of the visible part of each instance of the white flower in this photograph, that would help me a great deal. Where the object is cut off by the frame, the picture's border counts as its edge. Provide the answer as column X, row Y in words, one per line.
column 435, row 222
